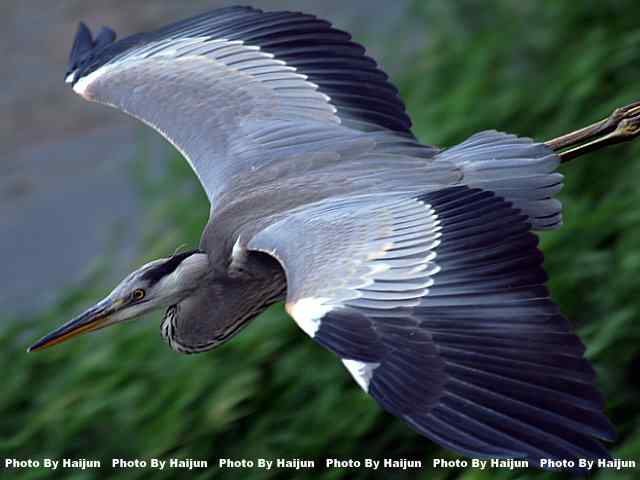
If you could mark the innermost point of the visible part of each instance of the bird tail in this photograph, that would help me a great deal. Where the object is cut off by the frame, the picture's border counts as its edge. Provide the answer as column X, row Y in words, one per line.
column 518, row 169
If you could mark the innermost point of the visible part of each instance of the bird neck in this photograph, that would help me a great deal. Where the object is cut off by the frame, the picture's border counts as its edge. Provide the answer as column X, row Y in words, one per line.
column 186, row 279
column 223, row 304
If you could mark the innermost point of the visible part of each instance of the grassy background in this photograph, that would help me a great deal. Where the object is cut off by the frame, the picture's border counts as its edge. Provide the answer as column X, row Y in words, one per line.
column 534, row 68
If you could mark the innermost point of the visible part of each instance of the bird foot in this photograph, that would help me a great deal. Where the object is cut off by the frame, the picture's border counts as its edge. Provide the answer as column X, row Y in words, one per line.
column 621, row 126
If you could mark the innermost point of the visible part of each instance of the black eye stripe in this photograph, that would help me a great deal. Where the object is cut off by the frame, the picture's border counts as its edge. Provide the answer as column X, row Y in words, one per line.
column 154, row 274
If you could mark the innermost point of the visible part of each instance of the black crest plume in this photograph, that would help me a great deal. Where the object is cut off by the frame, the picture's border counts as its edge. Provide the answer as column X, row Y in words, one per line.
column 168, row 267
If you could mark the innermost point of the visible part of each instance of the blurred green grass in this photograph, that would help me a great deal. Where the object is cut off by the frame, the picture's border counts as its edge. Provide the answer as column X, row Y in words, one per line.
column 537, row 69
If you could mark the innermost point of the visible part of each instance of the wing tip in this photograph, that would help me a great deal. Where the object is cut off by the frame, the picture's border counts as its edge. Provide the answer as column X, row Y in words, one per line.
column 84, row 47
column 82, row 43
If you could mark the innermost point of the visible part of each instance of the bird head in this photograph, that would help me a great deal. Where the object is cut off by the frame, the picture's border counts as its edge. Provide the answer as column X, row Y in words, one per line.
column 158, row 284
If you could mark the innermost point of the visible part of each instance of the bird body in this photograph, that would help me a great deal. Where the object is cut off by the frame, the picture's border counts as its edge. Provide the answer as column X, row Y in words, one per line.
column 415, row 265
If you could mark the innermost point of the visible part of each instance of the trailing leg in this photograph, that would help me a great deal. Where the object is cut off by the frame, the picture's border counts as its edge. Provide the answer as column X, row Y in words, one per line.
column 621, row 126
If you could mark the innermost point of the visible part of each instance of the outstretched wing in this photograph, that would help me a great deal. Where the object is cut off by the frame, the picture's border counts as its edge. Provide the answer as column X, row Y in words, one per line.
column 221, row 85
column 437, row 306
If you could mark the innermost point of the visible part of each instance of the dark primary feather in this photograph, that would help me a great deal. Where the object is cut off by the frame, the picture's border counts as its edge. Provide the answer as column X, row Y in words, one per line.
column 105, row 37
column 85, row 48
column 82, row 43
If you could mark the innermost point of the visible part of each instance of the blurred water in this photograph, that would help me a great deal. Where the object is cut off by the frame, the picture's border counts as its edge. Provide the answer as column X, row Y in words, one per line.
column 57, row 216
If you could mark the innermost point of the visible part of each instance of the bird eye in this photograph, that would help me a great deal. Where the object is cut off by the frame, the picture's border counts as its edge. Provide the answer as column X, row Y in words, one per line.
column 138, row 294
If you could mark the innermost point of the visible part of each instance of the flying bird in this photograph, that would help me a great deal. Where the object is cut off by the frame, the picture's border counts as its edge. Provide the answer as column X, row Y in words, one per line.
column 416, row 265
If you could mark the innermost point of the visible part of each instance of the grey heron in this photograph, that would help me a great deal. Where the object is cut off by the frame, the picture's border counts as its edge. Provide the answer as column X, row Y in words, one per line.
column 417, row 266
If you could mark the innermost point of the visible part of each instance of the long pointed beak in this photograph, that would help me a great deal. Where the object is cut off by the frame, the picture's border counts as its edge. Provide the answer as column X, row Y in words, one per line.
column 93, row 319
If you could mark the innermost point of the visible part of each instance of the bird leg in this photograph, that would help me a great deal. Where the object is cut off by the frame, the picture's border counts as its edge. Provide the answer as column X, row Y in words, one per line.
column 621, row 126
